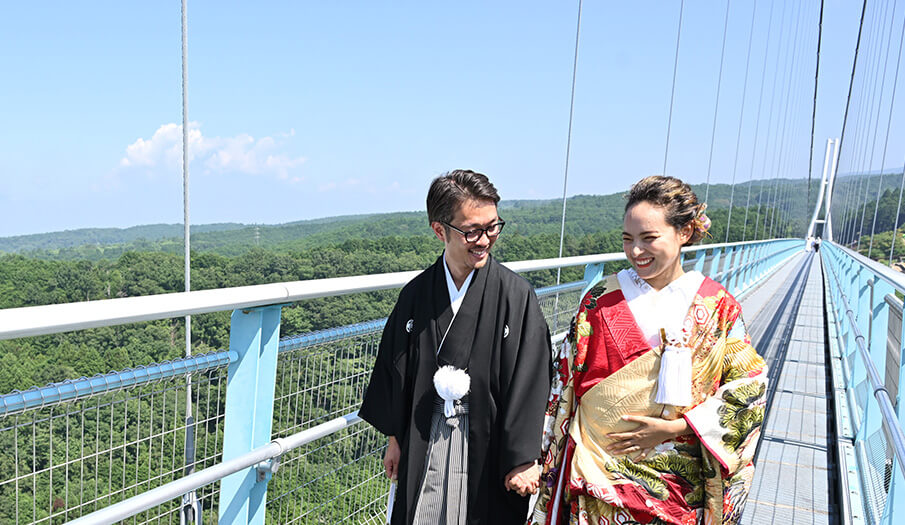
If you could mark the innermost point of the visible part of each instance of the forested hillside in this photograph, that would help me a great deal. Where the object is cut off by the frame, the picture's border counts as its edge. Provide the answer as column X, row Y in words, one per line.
column 585, row 214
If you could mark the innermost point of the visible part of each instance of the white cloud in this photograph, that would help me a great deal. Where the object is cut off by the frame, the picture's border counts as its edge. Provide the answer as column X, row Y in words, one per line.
column 241, row 153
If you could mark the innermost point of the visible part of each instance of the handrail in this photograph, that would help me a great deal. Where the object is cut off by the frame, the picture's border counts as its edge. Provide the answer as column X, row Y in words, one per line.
column 745, row 266
column 894, row 278
column 890, row 421
column 55, row 318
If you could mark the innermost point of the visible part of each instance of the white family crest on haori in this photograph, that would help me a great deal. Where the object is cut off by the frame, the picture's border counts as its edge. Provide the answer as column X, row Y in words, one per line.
column 452, row 384
column 409, row 325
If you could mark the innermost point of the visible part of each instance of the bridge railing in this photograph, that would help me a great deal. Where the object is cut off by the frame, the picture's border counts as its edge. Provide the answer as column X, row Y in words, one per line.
column 272, row 423
column 864, row 321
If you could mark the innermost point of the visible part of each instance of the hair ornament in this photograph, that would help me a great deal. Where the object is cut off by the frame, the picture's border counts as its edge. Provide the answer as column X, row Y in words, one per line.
column 701, row 221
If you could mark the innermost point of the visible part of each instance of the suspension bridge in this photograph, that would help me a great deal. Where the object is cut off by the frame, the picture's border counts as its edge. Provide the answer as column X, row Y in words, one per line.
column 266, row 430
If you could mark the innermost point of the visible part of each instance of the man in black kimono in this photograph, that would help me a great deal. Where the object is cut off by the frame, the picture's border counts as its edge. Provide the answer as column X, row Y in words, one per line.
column 499, row 338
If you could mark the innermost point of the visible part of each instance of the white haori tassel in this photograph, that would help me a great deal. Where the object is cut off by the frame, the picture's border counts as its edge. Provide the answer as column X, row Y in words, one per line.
column 452, row 384
column 674, row 381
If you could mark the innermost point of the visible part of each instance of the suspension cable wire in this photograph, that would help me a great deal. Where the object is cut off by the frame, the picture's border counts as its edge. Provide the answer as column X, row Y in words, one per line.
column 760, row 192
column 185, row 173
column 868, row 143
column 888, row 124
column 672, row 97
column 859, row 130
column 780, row 146
column 863, row 131
column 565, row 178
column 814, row 108
column 189, row 500
column 741, row 119
column 760, row 100
column 787, row 211
column 895, row 224
column 784, row 213
column 848, row 99
column 770, row 124
column 784, row 165
column 716, row 108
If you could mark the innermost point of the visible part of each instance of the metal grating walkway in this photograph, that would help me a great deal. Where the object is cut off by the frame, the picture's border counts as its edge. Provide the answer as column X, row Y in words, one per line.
column 792, row 483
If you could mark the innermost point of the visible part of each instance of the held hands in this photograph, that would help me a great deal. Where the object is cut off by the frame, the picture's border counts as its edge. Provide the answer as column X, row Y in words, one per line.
column 391, row 458
column 650, row 432
column 524, row 479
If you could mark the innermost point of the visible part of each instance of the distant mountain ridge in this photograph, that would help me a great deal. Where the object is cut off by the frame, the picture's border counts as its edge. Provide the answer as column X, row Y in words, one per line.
column 584, row 214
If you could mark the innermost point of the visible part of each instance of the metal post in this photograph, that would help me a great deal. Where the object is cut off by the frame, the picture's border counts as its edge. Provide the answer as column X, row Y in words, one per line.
column 254, row 336
column 700, row 260
column 715, row 262
column 593, row 273
column 877, row 316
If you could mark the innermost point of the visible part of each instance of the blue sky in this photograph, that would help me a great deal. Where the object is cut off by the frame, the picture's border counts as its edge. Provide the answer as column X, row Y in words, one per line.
column 310, row 109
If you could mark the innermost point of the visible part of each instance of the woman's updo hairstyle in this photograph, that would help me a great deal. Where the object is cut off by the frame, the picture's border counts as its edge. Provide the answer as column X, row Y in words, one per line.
column 676, row 198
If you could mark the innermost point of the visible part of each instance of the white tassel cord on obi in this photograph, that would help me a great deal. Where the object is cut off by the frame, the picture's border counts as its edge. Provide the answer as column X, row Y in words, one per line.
column 674, row 381
column 452, row 384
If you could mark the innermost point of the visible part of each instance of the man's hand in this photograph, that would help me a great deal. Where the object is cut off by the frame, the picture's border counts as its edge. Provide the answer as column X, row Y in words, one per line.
column 523, row 479
column 650, row 432
column 391, row 458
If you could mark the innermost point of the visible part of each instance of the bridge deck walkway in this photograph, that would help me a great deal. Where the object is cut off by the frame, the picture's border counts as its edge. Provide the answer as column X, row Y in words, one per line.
column 794, row 476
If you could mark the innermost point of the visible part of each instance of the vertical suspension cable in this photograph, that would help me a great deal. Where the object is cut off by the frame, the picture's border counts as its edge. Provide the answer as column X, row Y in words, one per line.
column 860, row 145
column 189, row 499
column 769, row 126
column 895, row 224
column 760, row 101
column 785, row 218
column 672, row 97
column 565, row 178
column 814, row 108
column 741, row 118
column 185, row 174
column 716, row 109
column 778, row 151
column 848, row 99
column 892, row 103
column 856, row 190
column 870, row 144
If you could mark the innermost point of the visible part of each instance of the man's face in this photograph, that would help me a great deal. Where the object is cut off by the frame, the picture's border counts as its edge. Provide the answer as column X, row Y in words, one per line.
column 464, row 256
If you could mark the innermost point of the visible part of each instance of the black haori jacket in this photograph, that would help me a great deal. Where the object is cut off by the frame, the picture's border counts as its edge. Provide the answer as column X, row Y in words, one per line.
column 501, row 339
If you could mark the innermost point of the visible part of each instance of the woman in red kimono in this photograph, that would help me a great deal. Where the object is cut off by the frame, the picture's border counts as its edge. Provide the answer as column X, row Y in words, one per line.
column 659, row 396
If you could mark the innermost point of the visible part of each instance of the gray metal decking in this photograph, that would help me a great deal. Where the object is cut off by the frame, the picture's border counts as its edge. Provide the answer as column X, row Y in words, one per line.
column 792, row 479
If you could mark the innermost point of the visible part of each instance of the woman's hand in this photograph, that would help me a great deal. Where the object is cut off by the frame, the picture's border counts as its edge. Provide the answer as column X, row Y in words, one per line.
column 650, row 432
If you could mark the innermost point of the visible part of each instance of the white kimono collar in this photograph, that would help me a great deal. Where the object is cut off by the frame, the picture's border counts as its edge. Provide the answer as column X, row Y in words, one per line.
column 665, row 308
column 456, row 295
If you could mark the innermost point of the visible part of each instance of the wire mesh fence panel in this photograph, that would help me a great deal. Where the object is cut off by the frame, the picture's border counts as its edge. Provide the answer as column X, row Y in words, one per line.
column 558, row 307
column 877, row 475
column 68, row 459
column 338, row 476
column 336, row 479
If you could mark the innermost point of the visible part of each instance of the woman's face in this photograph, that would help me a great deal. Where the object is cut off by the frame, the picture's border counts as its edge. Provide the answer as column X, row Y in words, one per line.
column 652, row 245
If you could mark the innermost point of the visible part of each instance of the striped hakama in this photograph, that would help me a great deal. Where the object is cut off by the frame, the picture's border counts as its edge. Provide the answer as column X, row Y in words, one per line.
column 443, row 497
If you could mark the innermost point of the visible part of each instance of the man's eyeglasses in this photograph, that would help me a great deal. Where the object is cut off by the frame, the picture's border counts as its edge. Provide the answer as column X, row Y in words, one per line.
column 473, row 235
